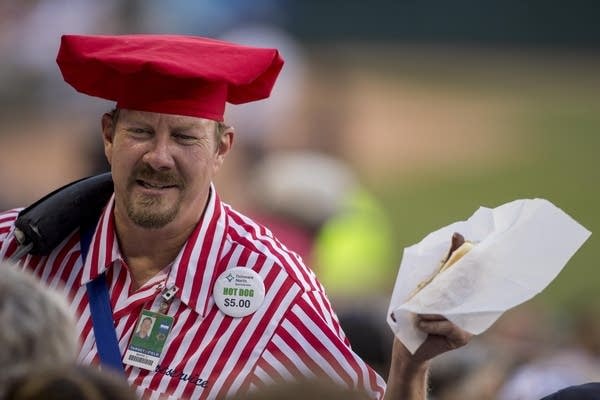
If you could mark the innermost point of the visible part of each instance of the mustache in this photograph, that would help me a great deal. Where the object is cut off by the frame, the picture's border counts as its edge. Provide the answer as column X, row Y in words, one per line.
column 146, row 173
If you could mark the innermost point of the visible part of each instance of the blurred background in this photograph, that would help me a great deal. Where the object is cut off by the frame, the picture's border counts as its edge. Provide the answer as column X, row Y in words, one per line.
column 390, row 120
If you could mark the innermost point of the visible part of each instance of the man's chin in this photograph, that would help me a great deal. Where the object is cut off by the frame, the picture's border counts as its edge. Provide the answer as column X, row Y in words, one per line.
column 151, row 220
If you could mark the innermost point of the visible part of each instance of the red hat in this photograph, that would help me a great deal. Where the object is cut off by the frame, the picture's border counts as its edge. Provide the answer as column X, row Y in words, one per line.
column 170, row 74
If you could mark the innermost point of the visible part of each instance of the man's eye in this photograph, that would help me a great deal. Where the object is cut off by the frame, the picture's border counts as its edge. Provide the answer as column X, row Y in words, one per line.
column 139, row 131
column 184, row 138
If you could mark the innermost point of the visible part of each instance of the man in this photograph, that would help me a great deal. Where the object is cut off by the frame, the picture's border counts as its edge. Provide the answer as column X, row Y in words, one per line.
column 143, row 331
column 239, row 310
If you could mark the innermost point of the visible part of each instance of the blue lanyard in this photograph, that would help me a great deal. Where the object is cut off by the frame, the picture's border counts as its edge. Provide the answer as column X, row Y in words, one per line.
column 104, row 329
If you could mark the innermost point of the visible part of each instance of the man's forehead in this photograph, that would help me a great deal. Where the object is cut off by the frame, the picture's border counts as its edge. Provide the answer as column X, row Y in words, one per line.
column 170, row 119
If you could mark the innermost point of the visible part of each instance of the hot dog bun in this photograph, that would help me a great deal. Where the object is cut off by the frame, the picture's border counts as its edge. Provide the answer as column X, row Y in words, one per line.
column 457, row 255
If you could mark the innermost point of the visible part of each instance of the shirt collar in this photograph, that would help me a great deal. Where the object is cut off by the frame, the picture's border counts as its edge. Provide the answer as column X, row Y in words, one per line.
column 104, row 247
column 195, row 268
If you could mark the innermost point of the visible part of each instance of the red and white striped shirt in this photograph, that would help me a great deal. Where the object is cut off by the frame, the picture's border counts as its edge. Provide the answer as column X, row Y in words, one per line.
column 294, row 333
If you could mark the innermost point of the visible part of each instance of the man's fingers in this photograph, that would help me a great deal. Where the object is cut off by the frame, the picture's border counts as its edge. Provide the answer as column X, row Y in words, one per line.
column 441, row 327
column 442, row 336
column 430, row 317
column 455, row 336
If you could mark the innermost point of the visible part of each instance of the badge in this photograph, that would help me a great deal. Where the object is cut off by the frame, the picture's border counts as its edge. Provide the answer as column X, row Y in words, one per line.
column 148, row 340
column 239, row 292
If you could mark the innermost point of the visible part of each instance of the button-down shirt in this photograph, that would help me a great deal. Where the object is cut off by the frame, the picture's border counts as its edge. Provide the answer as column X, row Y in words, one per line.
column 208, row 354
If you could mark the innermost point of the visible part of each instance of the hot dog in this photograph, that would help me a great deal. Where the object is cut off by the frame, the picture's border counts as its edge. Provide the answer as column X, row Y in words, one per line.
column 458, row 248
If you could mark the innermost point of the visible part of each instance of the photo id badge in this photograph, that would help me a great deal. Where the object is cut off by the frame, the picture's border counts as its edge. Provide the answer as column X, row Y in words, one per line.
column 148, row 340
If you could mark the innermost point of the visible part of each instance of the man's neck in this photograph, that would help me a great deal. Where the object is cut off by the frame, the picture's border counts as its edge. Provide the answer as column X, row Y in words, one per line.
column 149, row 251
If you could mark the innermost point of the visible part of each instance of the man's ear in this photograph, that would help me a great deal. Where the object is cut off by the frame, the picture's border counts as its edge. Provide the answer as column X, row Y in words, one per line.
column 108, row 132
column 224, row 146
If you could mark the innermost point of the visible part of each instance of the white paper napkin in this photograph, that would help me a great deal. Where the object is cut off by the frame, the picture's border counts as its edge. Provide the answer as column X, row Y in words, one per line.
column 521, row 247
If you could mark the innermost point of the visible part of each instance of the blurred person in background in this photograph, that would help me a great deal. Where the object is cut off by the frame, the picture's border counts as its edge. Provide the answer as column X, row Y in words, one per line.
column 295, row 192
column 266, row 126
column 519, row 336
column 70, row 383
column 535, row 352
column 37, row 329
column 165, row 245
column 566, row 354
column 314, row 204
column 264, row 123
column 303, row 390
column 353, row 257
column 28, row 56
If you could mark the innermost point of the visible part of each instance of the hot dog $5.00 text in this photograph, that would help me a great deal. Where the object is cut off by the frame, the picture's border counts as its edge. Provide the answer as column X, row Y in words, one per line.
column 242, row 303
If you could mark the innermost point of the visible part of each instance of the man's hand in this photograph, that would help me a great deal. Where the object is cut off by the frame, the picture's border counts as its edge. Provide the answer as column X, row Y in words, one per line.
column 443, row 336
column 408, row 372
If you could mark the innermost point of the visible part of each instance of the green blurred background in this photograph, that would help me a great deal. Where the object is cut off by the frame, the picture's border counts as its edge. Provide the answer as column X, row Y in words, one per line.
column 553, row 118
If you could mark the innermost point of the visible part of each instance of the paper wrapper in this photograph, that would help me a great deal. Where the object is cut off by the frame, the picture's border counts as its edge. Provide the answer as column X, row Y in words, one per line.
column 521, row 247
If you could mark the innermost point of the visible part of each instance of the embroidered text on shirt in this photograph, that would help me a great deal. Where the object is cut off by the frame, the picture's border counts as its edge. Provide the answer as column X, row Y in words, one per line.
column 173, row 373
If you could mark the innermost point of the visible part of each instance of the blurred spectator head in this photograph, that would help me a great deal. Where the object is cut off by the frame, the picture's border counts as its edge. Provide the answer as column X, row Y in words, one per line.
column 586, row 329
column 70, row 383
column 304, row 390
column 526, row 332
column 36, row 327
column 304, row 186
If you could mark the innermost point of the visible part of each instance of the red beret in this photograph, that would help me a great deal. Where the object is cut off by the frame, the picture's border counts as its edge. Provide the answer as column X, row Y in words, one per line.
column 172, row 74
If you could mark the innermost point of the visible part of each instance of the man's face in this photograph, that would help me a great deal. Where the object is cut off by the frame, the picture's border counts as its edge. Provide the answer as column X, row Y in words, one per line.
column 162, row 165
column 145, row 327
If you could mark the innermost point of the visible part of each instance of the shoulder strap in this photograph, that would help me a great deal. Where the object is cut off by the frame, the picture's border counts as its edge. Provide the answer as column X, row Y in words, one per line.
column 101, row 311
column 46, row 223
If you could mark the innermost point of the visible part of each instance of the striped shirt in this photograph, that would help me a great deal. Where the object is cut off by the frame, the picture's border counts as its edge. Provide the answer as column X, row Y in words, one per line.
column 293, row 334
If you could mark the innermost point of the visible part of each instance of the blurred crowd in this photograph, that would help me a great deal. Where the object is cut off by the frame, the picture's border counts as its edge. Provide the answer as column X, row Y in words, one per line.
column 289, row 172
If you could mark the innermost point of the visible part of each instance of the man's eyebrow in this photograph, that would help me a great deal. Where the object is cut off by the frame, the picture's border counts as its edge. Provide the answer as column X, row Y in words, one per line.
column 187, row 126
column 193, row 128
column 137, row 121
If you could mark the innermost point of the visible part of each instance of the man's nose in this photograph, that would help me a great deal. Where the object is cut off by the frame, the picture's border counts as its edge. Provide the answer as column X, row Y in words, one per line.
column 159, row 156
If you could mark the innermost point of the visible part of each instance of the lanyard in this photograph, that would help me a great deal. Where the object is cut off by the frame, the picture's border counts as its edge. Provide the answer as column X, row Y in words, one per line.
column 104, row 329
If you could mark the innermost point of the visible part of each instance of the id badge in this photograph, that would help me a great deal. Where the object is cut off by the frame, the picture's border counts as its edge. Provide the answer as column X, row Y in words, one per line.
column 148, row 340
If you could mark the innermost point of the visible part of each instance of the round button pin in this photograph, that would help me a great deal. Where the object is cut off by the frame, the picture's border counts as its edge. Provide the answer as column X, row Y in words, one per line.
column 239, row 292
